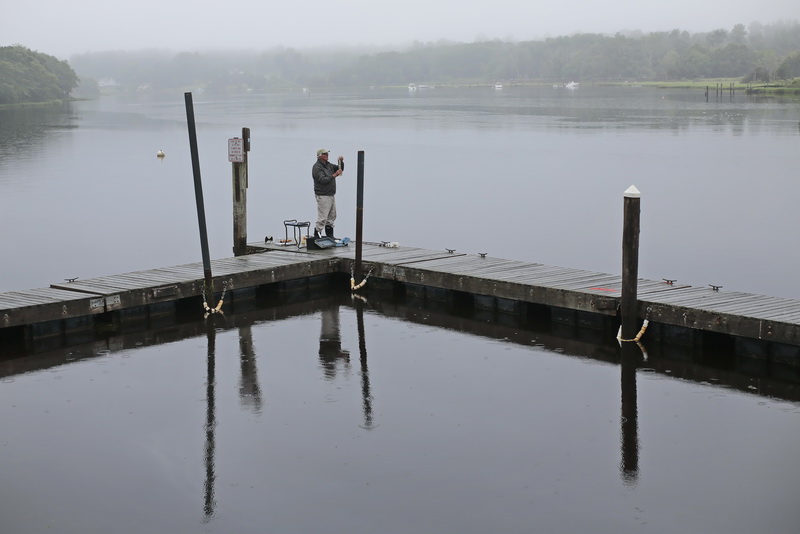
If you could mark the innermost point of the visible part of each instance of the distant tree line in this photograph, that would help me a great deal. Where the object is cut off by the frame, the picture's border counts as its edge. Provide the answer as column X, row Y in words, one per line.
column 757, row 53
column 752, row 55
column 790, row 67
column 28, row 76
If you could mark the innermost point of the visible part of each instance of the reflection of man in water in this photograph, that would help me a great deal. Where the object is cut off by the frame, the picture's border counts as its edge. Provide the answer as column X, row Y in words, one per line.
column 330, row 343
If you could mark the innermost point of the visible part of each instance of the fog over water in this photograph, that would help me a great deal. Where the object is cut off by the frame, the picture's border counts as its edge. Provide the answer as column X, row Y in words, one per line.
column 65, row 28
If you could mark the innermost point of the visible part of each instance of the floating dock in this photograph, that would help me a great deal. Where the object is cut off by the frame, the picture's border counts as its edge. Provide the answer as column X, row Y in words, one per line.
column 758, row 325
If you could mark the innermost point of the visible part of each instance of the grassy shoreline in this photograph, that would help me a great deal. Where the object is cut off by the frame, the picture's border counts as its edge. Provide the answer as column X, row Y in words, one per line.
column 772, row 88
column 777, row 89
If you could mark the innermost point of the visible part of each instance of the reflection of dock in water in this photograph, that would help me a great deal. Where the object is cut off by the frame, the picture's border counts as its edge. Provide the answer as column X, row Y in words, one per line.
column 688, row 361
column 750, row 325
column 570, row 339
column 569, row 332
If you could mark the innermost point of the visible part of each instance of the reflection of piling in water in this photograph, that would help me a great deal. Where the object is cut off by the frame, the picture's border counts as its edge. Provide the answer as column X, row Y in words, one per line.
column 208, row 501
column 330, row 343
column 249, row 389
column 366, row 394
column 629, row 420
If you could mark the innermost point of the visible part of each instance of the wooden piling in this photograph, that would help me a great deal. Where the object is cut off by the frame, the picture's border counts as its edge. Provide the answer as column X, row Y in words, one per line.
column 239, row 169
column 359, row 213
column 630, row 263
column 198, row 194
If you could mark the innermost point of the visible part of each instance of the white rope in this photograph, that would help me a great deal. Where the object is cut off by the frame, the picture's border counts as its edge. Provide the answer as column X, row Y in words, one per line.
column 638, row 336
column 218, row 308
column 353, row 285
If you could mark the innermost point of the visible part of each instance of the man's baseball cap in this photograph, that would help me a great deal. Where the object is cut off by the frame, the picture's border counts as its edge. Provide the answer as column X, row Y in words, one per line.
column 322, row 151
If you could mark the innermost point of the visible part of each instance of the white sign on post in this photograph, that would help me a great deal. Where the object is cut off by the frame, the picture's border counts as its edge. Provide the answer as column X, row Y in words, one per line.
column 236, row 150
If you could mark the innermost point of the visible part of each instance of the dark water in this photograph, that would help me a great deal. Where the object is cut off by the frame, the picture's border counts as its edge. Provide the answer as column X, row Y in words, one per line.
column 339, row 415
column 329, row 413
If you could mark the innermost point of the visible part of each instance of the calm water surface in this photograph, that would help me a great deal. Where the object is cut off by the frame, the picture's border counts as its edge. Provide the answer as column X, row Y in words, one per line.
column 533, row 174
column 339, row 416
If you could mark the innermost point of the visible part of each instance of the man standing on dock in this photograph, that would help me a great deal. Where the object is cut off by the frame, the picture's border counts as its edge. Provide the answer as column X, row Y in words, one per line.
column 324, row 174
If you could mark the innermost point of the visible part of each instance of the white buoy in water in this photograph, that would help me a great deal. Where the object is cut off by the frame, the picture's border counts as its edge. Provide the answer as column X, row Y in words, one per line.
column 160, row 154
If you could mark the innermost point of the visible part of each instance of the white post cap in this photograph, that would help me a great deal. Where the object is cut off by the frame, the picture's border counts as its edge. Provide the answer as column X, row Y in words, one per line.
column 632, row 192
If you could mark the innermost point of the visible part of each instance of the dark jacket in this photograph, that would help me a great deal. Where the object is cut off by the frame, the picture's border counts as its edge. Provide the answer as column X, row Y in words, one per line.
column 324, row 182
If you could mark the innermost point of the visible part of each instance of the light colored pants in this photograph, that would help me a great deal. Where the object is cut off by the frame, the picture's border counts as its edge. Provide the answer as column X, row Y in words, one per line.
column 326, row 212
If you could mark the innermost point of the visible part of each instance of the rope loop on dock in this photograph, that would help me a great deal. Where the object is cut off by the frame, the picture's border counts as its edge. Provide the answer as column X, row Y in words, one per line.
column 641, row 330
column 638, row 336
column 218, row 308
column 353, row 285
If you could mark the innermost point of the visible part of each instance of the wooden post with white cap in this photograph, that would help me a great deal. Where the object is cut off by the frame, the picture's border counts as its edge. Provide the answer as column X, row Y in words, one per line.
column 630, row 263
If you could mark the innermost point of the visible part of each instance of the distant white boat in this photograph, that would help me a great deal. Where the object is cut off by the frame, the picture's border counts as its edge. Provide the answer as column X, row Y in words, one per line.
column 572, row 85
column 498, row 87
column 412, row 87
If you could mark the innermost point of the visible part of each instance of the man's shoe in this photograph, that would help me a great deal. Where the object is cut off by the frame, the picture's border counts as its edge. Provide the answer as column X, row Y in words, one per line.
column 329, row 232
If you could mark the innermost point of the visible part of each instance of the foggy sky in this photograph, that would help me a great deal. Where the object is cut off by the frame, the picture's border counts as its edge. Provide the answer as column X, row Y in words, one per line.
column 63, row 28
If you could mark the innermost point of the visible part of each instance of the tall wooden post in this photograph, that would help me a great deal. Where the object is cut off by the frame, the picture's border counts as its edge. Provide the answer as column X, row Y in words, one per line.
column 198, row 195
column 359, row 213
column 630, row 263
column 237, row 154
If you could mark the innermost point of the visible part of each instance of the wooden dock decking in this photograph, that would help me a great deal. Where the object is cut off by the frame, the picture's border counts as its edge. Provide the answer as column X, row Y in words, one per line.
column 79, row 298
column 699, row 308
